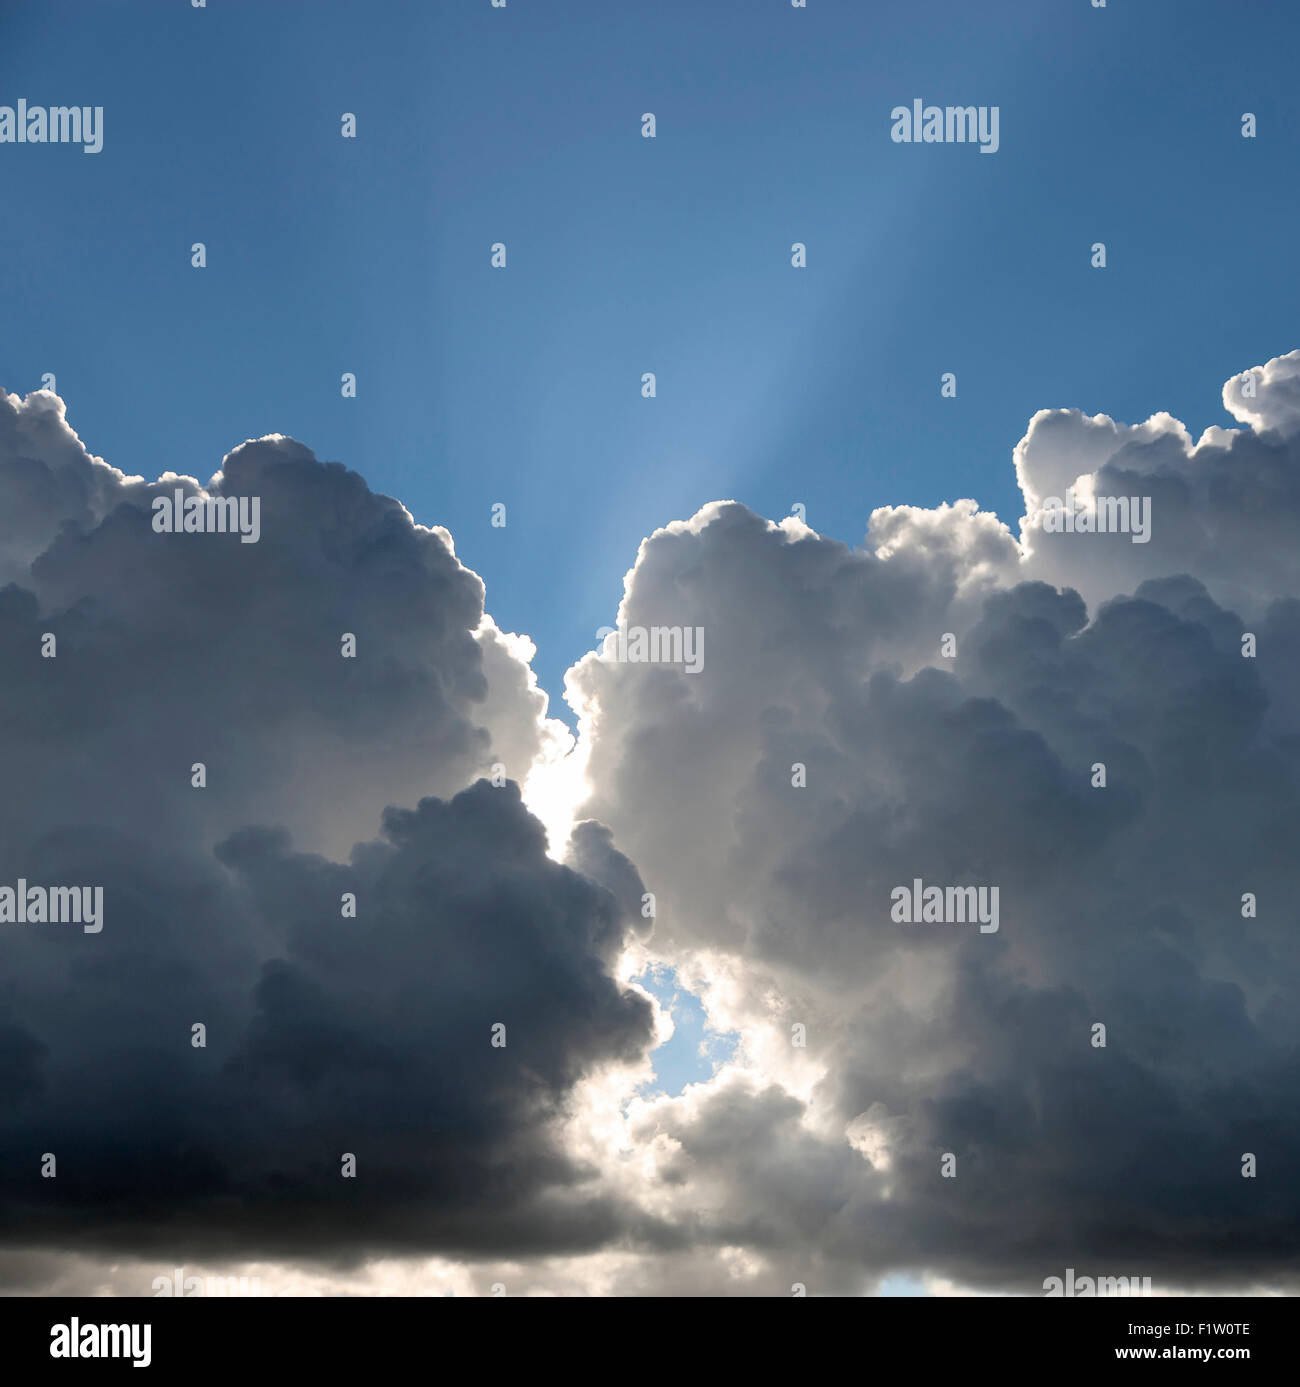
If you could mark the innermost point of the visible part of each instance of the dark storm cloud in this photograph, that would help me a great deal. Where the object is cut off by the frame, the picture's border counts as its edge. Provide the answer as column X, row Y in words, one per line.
column 326, row 1034
column 370, row 1035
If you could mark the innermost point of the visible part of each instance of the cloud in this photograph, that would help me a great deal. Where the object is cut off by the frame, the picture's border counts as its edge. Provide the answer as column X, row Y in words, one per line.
column 932, row 706
column 1120, row 905
column 177, row 648
column 326, row 1032
column 1222, row 509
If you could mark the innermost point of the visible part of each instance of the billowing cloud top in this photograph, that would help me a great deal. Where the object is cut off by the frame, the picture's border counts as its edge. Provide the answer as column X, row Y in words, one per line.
column 350, row 1001
column 1095, row 730
column 941, row 707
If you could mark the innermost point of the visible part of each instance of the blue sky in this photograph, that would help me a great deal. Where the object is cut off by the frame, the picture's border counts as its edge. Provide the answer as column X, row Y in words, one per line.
column 775, row 385
column 694, row 1050
column 627, row 255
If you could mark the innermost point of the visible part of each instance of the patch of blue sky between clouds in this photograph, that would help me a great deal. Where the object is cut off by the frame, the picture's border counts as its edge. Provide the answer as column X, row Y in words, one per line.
column 900, row 1284
column 694, row 1051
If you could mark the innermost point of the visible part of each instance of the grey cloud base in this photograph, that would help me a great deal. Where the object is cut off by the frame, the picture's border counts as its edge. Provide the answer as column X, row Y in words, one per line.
column 326, row 1034
column 1119, row 906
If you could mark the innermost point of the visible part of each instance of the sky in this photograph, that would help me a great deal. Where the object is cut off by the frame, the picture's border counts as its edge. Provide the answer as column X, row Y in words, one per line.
column 625, row 255
column 443, row 946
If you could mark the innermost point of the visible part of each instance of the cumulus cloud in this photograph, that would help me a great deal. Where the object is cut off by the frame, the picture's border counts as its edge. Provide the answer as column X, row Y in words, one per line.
column 328, row 1030
column 932, row 706
column 1120, row 905
column 1222, row 508
column 177, row 648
